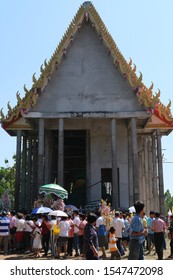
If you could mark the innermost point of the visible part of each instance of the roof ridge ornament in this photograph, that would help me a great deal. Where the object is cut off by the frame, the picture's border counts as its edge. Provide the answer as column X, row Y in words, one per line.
column 87, row 4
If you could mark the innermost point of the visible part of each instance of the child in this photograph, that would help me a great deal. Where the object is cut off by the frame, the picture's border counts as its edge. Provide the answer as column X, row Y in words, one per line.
column 115, row 254
column 37, row 240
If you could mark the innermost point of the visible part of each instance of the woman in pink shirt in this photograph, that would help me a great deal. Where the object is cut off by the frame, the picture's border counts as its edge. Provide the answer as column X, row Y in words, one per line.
column 81, row 227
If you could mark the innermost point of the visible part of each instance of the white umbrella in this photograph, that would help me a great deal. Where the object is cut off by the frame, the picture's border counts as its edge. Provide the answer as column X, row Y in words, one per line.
column 132, row 209
column 58, row 213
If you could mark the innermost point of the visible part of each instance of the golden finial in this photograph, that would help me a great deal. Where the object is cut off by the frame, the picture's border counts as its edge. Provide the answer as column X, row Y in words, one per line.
column 134, row 69
column 25, row 89
column 130, row 62
column 169, row 104
column 45, row 63
column 18, row 96
column 41, row 68
column 2, row 114
column 34, row 78
column 140, row 77
column 151, row 87
column 158, row 94
column 9, row 107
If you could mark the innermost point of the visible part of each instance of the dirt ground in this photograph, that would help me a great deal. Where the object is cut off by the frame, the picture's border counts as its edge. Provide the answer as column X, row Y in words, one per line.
column 29, row 256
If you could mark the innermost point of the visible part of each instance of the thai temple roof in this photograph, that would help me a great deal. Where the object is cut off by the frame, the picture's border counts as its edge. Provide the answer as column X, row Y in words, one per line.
column 160, row 114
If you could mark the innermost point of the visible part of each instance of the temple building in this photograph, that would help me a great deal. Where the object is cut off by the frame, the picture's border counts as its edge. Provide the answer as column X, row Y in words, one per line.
column 89, row 124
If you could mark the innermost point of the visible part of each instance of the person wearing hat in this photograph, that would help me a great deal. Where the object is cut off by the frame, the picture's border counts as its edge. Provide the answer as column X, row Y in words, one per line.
column 4, row 232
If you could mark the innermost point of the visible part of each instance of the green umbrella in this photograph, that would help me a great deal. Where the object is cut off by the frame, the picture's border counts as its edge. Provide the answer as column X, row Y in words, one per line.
column 55, row 189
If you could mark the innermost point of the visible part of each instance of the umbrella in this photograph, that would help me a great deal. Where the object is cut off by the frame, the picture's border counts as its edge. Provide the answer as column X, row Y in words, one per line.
column 58, row 213
column 132, row 209
column 41, row 210
column 71, row 207
column 55, row 189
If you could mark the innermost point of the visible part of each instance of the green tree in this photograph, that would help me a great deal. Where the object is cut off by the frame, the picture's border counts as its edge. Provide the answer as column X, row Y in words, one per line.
column 7, row 179
column 168, row 201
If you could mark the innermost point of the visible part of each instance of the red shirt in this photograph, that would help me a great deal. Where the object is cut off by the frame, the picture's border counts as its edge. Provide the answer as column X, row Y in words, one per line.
column 45, row 228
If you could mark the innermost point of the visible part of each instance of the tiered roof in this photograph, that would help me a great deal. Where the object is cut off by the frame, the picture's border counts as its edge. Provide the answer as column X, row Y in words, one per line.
column 146, row 97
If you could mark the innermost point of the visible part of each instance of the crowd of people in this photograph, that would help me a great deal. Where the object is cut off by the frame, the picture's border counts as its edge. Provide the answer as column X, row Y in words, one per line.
column 82, row 235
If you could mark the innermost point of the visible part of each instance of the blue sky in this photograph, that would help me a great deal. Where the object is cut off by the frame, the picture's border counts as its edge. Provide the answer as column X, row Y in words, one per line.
column 31, row 30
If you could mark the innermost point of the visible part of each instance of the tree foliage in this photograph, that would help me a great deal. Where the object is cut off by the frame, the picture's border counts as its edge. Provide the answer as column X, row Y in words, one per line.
column 7, row 179
column 168, row 201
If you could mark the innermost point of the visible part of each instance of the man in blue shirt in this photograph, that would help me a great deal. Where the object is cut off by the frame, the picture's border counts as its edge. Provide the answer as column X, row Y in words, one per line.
column 4, row 231
column 137, row 233
column 150, row 237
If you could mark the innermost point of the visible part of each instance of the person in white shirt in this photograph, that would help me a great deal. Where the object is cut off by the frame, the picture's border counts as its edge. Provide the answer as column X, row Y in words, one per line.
column 76, row 222
column 62, row 240
column 27, row 235
column 118, row 224
column 20, row 232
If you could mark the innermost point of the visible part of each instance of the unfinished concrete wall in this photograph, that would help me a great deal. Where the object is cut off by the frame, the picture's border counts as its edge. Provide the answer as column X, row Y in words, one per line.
column 87, row 80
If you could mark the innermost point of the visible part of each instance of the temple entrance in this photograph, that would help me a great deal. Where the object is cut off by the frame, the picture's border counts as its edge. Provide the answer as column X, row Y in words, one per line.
column 106, row 177
column 75, row 166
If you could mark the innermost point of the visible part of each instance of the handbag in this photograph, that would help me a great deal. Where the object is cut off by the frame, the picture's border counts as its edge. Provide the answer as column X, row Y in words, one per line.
column 56, row 230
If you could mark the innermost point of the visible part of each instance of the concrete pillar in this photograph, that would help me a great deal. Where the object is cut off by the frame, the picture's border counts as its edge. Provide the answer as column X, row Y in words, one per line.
column 24, row 157
column 135, row 159
column 144, row 198
column 29, row 174
column 41, row 153
column 115, row 193
column 34, row 169
column 140, row 167
column 88, row 167
column 47, row 157
column 160, row 172
column 155, row 184
column 17, row 175
column 60, row 178
column 130, row 170
column 150, row 173
column 147, row 205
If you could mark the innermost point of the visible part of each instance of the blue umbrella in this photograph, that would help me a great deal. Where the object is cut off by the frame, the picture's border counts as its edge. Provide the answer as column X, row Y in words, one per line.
column 71, row 207
column 41, row 210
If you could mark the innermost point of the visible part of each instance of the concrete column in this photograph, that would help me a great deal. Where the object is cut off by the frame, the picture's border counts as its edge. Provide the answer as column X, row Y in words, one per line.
column 140, row 167
column 23, row 189
column 17, row 175
column 34, row 170
column 115, row 193
column 29, row 176
column 47, row 157
column 147, row 205
column 155, row 185
column 150, row 172
column 144, row 198
column 60, row 178
column 135, row 159
column 88, row 167
column 160, row 172
column 41, row 153
column 130, row 169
